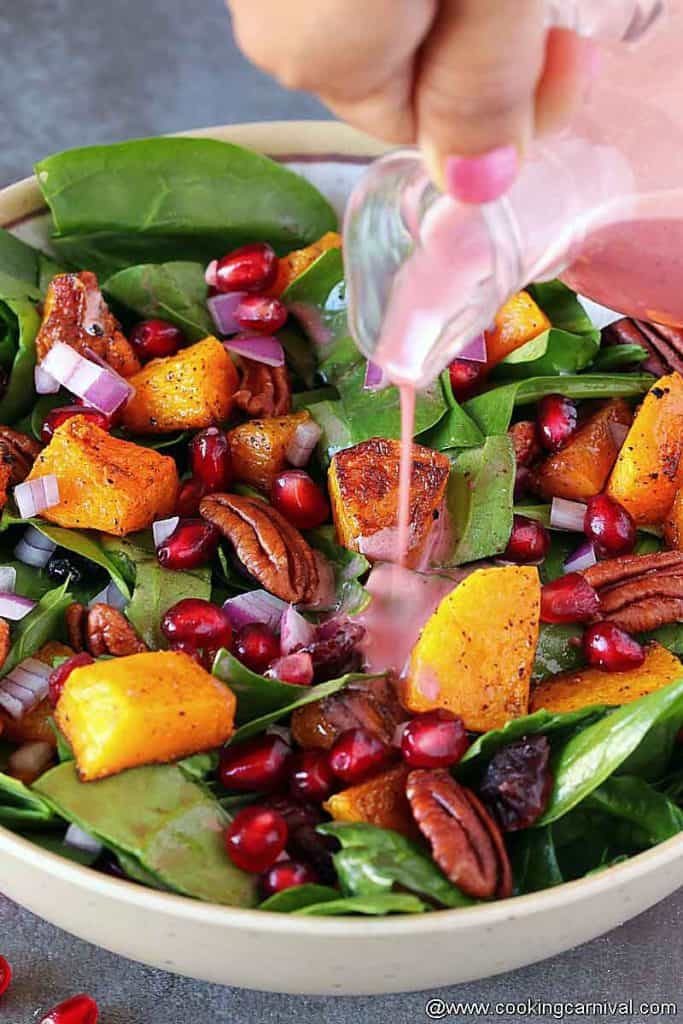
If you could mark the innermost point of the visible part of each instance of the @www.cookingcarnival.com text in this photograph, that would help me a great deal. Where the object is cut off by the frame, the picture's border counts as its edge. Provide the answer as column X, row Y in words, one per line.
column 441, row 1009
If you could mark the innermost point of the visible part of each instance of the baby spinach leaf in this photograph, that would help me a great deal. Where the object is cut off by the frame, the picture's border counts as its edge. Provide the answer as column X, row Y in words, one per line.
column 534, row 861
column 336, row 431
column 595, row 753
column 56, row 844
column 541, row 513
column 563, row 309
column 299, row 896
column 670, row 636
column 199, row 766
column 41, row 624
column 171, row 825
column 317, row 298
column 554, row 352
column 349, row 566
column 618, row 357
column 300, row 354
column 556, row 650
column 376, row 904
column 635, row 801
column 24, row 263
column 456, row 429
column 173, row 291
column 148, row 200
column 19, row 324
column 158, row 589
column 479, row 500
column 21, row 807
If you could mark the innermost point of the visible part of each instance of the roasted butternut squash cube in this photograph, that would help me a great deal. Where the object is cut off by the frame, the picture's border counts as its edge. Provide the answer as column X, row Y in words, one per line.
column 673, row 524
column 648, row 471
column 570, row 691
column 517, row 322
column 380, row 801
column 187, row 391
column 475, row 654
column 258, row 448
column 363, row 483
column 580, row 470
column 105, row 483
column 297, row 261
column 36, row 725
column 142, row 709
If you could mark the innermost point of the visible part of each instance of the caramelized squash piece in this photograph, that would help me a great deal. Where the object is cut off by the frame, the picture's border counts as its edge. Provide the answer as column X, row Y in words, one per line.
column 36, row 724
column 105, row 483
column 580, row 470
column 297, row 261
column 142, row 709
column 258, row 448
column 517, row 322
column 673, row 524
column 363, row 485
column 475, row 654
column 648, row 470
column 187, row 391
column 380, row 801
column 572, row 690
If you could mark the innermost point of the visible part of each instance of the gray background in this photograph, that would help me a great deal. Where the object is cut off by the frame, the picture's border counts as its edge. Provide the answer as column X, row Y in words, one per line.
column 74, row 72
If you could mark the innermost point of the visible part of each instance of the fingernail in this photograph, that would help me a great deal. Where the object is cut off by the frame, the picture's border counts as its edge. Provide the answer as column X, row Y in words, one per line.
column 480, row 179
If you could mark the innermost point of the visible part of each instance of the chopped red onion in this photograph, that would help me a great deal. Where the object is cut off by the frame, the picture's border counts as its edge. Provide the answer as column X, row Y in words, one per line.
column 375, row 377
column 35, row 548
column 34, row 496
column 255, row 606
column 10, row 704
column 8, row 579
column 475, row 350
column 24, row 687
column 304, row 440
column 398, row 734
column 163, row 528
column 82, row 840
column 110, row 595
column 583, row 558
column 295, row 630
column 262, row 348
column 567, row 515
column 14, row 606
column 222, row 309
column 210, row 274
column 30, row 760
column 326, row 595
column 296, row 669
column 92, row 379
column 44, row 383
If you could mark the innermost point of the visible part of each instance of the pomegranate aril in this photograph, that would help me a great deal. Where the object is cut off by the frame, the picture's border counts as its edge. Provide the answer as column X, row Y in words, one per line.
column 210, row 459
column 261, row 314
column 295, row 812
column 523, row 481
column 251, row 268
column 154, row 339
column 60, row 415
column 80, row 1009
column 256, row 838
column 357, row 753
column 299, row 499
column 192, row 543
column 187, row 648
column 435, row 739
column 197, row 622
column 305, row 843
column 60, row 675
column 190, row 494
column 570, row 598
column 529, row 542
column 557, row 419
column 611, row 649
column 311, row 777
column 5, row 975
column 295, row 669
column 256, row 646
column 610, row 526
column 256, row 765
column 465, row 377
column 285, row 875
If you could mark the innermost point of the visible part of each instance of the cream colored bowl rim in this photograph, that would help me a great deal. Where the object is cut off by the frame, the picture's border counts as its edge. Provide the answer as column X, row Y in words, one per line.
column 327, row 140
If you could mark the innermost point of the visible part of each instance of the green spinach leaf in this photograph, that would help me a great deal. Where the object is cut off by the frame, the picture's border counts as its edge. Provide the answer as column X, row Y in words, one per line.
column 43, row 623
column 173, row 291
column 456, row 429
column 348, row 566
column 19, row 324
column 376, row 904
column 554, row 352
column 534, row 861
column 619, row 357
column 317, row 298
column 299, row 896
column 557, row 650
column 635, row 801
column 479, row 500
column 158, row 589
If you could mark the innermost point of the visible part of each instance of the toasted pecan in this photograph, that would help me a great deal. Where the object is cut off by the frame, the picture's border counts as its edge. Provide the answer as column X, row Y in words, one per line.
column 370, row 704
column 75, row 618
column 650, row 613
column 19, row 452
column 638, row 588
column 100, row 630
column 264, row 391
column 613, row 570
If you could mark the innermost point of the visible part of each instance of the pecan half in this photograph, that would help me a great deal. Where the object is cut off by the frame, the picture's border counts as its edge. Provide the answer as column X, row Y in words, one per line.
column 465, row 840
column 264, row 391
column 5, row 642
column 102, row 630
column 19, row 452
column 525, row 442
column 640, row 592
column 651, row 613
column 613, row 570
column 75, row 618
column 271, row 549
column 664, row 344
column 371, row 704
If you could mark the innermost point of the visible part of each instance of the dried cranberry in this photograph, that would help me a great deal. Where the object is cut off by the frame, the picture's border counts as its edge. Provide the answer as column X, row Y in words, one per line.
column 5, row 975
column 305, row 843
column 335, row 650
column 299, row 499
column 436, row 739
column 80, row 1009
column 256, row 646
column 251, row 268
column 311, row 777
column 197, row 622
column 295, row 812
column 154, row 339
column 260, row 314
column 256, row 765
column 465, row 378
column 610, row 526
column 285, row 875
column 210, row 459
column 611, row 649
column 59, row 676
column 529, row 542
column 256, row 838
column 570, row 598
column 190, row 494
column 62, row 413
column 517, row 783
column 357, row 753
column 557, row 421
column 192, row 543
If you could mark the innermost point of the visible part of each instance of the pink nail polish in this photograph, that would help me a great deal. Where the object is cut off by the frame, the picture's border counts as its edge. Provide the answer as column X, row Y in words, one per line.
column 480, row 179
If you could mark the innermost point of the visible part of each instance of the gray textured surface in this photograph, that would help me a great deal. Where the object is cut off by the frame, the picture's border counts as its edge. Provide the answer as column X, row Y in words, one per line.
column 74, row 72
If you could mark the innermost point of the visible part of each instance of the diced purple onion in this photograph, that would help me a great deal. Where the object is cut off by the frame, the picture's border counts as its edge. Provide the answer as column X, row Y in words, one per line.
column 210, row 274
column 110, row 595
column 304, row 440
column 81, row 840
column 567, row 515
column 14, row 606
column 34, row 496
column 30, row 760
column 8, row 579
column 163, row 528
column 255, row 606
column 375, row 377
column 24, row 687
column 44, row 383
column 262, row 348
column 222, row 309
column 34, row 549
column 296, row 669
column 295, row 630
column 91, row 379
column 583, row 558
column 475, row 350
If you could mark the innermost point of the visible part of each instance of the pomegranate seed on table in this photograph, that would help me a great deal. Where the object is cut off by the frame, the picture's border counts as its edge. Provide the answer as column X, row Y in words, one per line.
column 256, row 646
column 285, row 875
column 610, row 526
column 611, row 649
column 557, row 421
column 210, row 459
column 570, row 598
column 256, row 838
column 465, row 378
column 435, row 739
column 251, row 268
column 197, row 622
column 154, row 339
column 62, row 413
column 311, row 777
column 529, row 542
column 358, row 753
column 190, row 494
column 60, row 675
column 5, row 975
column 295, row 669
column 80, row 1009
column 261, row 314
column 192, row 543
column 258, row 764
column 299, row 499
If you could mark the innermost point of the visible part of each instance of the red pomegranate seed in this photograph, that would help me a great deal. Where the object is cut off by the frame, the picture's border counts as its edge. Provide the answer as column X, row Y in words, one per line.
column 465, row 378
column 611, row 649
column 570, row 598
column 286, row 874
column 522, row 482
column 187, row 648
column 358, row 753
column 311, row 777
column 299, row 499
column 610, row 526
column 60, row 675
column 261, row 314
column 256, row 646
column 557, row 421
column 60, row 415
column 256, row 765
column 192, row 543
column 154, row 339
column 210, row 459
column 256, row 838
column 81, row 1009
column 197, row 622
column 295, row 669
column 190, row 494
column 251, row 268
column 436, row 739
column 529, row 542
column 5, row 975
